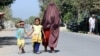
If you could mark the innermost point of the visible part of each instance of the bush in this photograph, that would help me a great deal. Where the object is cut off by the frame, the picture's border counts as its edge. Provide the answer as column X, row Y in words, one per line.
column 67, row 17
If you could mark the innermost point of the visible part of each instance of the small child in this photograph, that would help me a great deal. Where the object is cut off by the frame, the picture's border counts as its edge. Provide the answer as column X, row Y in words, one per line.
column 20, row 36
column 36, row 35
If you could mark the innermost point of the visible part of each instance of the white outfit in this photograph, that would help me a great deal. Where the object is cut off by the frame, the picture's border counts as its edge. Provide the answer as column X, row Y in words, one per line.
column 91, row 24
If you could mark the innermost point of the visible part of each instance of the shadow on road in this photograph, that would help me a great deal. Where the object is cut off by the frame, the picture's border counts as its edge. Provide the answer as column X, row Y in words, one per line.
column 56, row 51
column 9, row 41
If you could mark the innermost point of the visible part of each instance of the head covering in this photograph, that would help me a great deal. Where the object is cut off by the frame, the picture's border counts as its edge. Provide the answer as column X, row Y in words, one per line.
column 51, row 15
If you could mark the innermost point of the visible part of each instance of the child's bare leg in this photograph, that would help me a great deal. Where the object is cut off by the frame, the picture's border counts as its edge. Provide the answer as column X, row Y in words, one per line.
column 20, row 51
column 23, row 51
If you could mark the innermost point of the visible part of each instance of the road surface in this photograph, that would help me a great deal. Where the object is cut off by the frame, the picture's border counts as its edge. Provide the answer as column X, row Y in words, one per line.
column 70, row 44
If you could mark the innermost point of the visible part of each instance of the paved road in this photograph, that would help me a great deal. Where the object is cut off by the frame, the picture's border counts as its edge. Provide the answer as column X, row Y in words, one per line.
column 70, row 44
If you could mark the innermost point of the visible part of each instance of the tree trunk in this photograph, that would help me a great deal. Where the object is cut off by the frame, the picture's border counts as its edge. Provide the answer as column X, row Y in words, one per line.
column 79, row 15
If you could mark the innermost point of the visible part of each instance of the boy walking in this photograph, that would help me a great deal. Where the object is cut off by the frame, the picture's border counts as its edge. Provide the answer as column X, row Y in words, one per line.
column 20, row 36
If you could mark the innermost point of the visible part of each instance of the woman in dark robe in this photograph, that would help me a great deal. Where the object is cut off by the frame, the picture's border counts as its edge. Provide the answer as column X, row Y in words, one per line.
column 51, row 23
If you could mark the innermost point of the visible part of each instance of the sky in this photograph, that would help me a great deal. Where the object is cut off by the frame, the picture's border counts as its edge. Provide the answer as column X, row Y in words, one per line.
column 25, row 8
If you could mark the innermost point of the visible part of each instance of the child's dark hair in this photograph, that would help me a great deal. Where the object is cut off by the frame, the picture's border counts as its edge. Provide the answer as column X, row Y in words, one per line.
column 20, row 21
column 38, row 19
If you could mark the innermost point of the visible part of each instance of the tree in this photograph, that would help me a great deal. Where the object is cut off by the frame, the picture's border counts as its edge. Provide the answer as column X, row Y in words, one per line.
column 6, row 2
column 84, row 6
column 5, row 7
column 68, row 17
column 16, row 20
column 8, row 13
column 30, row 20
column 78, row 8
column 63, row 6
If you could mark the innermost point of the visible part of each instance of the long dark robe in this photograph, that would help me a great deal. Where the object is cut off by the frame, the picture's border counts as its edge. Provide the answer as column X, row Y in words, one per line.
column 51, row 20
